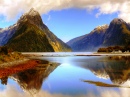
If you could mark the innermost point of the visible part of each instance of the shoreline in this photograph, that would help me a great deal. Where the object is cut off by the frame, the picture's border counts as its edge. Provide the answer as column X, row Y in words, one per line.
column 13, row 63
column 32, row 56
column 19, row 66
column 66, row 54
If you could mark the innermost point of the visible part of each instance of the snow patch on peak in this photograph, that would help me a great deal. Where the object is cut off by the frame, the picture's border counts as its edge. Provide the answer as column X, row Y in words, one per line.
column 29, row 15
column 32, row 12
column 102, row 26
column 100, row 29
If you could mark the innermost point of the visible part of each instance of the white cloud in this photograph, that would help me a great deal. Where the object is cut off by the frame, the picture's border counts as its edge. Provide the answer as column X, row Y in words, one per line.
column 11, row 91
column 49, row 17
column 11, row 8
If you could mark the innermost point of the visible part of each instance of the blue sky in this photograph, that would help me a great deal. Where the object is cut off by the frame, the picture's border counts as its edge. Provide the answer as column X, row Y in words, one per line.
column 73, row 22
column 67, row 19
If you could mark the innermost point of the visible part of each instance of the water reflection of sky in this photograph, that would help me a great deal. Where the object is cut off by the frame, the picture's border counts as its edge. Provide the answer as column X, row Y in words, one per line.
column 66, row 80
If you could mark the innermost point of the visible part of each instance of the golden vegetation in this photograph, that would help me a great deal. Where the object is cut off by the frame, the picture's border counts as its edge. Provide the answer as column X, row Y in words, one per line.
column 6, row 55
column 29, row 38
column 4, row 72
column 125, row 29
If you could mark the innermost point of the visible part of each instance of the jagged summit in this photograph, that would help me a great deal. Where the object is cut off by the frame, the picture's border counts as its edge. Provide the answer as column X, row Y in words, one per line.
column 32, row 12
column 33, row 17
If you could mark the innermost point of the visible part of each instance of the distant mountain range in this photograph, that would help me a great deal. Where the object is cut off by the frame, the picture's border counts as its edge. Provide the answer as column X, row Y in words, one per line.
column 117, row 33
column 29, row 34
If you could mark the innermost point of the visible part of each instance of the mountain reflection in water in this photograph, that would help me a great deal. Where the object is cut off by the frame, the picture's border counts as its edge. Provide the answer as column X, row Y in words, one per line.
column 31, row 80
column 76, row 76
column 117, row 68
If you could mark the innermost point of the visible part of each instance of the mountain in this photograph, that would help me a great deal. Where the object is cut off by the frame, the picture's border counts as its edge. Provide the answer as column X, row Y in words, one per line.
column 6, row 34
column 28, row 37
column 117, row 33
column 30, row 34
column 89, row 42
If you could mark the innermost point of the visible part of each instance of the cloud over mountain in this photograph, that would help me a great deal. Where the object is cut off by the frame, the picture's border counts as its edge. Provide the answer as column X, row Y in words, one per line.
column 11, row 8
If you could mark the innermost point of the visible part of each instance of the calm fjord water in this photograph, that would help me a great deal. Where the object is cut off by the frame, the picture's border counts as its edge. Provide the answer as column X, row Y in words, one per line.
column 72, row 76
